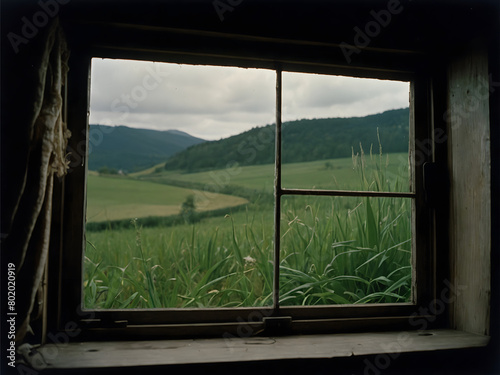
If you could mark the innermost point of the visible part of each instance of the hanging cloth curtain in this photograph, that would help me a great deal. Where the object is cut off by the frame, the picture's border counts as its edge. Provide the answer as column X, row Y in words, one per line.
column 27, row 242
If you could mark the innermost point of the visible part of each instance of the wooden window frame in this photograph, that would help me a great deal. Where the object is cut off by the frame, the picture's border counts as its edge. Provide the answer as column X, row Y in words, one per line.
column 173, row 323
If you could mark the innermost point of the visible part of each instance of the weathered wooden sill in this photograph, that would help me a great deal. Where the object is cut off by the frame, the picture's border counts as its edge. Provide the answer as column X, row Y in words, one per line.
column 142, row 354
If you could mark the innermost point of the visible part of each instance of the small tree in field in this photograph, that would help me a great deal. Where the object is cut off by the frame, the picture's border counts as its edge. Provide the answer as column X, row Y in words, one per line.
column 188, row 208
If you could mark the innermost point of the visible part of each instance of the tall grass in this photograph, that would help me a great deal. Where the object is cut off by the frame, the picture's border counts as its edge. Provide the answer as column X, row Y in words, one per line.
column 221, row 262
column 334, row 250
column 345, row 250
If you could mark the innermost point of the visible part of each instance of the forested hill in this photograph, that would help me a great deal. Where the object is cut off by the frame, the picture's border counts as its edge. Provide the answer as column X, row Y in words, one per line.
column 130, row 149
column 303, row 140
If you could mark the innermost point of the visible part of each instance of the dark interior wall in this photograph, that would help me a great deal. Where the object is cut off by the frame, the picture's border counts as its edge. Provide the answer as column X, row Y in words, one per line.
column 420, row 25
column 431, row 28
column 407, row 29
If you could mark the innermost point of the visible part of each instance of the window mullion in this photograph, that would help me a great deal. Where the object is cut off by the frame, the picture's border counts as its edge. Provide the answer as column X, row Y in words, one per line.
column 277, row 191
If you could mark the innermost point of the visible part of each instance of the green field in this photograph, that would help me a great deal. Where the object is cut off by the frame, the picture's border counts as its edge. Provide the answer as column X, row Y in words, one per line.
column 334, row 250
column 323, row 174
column 114, row 198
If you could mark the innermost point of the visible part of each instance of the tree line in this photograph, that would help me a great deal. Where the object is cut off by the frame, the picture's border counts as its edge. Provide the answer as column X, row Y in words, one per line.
column 302, row 140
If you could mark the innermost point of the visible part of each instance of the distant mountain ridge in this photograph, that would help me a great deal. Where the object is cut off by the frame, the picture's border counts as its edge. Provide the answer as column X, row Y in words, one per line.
column 131, row 149
column 302, row 140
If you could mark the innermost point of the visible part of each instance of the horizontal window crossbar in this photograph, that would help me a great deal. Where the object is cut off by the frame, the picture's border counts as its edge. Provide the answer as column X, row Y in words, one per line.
column 175, row 316
column 346, row 193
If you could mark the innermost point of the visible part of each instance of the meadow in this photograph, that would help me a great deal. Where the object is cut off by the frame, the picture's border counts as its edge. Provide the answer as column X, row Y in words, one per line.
column 342, row 173
column 116, row 197
column 334, row 250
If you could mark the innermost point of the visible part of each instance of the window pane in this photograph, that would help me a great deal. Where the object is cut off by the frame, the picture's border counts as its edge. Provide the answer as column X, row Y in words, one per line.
column 344, row 250
column 345, row 133
column 175, row 219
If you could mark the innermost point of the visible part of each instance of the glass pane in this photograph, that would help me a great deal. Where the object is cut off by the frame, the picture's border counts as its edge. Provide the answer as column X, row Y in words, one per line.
column 175, row 219
column 345, row 250
column 345, row 133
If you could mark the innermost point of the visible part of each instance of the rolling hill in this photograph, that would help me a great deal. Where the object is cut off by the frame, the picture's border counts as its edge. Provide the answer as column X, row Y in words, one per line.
column 131, row 149
column 302, row 141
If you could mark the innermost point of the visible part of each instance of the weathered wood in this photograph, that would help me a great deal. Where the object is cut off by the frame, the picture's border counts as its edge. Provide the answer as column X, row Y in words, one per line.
column 248, row 314
column 93, row 355
column 102, row 331
column 470, row 195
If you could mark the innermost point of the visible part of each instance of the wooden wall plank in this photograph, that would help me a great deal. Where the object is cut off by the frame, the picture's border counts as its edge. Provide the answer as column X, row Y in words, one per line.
column 470, row 195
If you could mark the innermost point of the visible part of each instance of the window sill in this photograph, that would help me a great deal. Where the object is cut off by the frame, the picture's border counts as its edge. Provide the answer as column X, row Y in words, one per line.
column 137, row 354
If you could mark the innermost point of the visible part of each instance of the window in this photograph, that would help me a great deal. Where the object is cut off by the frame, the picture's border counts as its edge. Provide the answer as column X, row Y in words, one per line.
column 293, row 286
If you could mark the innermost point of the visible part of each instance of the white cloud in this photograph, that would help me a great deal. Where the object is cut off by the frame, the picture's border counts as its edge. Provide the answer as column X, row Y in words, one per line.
column 214, row 102
column 317, row 96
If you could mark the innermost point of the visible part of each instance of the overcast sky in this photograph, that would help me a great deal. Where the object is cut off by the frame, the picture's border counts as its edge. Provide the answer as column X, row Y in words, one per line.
column 217, row 102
